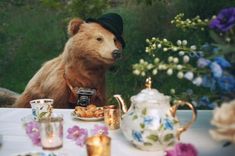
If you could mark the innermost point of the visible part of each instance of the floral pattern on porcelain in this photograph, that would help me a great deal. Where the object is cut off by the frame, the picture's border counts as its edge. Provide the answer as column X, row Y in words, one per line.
column 149, row 131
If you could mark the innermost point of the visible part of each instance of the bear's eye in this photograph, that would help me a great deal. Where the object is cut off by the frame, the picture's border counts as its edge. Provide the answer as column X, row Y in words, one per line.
column 115, row 40
column 99, row 39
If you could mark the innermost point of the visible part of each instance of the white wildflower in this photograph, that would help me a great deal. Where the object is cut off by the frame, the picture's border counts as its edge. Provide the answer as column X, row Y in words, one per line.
column 176, row 60
column 164, row 40
column 179, row 67
column 159, row 45
column 180, row 75
column 193, row 47
column 184, row 42
column 186, row 58
column 156, row 60
column 154, row 72
column 136, row 72
column 169, row 71
column 179, row 42
column 170, row 59
column 172, row 91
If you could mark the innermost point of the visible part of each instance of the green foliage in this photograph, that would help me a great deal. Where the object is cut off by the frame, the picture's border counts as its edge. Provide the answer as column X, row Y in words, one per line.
column 30, row 35
column 79, row 8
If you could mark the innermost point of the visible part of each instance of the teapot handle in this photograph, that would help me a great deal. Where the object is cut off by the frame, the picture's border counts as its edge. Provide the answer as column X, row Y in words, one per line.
column 173, row 110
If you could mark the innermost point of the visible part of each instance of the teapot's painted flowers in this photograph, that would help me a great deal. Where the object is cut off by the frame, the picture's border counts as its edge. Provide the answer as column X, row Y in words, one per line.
column 137, row 136
column 77, row 134
column 148, row 120
column 224, row 21
column 223, row 119
column 182, row 149
column 32, row 130
column 168, row 124
column 100, row 130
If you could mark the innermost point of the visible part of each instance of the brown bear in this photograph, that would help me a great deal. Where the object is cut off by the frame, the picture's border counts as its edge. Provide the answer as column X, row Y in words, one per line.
column 93, row 46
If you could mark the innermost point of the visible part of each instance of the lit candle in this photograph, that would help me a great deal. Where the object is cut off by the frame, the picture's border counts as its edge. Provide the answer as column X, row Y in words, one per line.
column 51, row 132
column 98, row 145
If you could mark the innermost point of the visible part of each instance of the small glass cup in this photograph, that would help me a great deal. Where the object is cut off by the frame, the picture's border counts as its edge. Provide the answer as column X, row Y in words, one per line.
column 98, row 145
column 112, row 117
column 51, row 132
column 41, row 108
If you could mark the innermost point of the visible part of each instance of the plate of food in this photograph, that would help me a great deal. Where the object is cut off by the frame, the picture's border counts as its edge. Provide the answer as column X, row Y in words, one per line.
column 89, row 113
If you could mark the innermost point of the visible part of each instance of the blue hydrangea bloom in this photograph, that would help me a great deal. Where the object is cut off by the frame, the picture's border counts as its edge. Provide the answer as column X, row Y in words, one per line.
column 137, row 136
column 209, row 82
column 222, row 62
column 226, row 83
column 202, row 62
column 204, row 101
column 216, row 69
column 168, row 124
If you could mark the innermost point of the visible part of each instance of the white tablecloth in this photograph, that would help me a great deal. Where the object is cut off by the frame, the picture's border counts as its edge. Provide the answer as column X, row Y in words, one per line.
column 16, row 141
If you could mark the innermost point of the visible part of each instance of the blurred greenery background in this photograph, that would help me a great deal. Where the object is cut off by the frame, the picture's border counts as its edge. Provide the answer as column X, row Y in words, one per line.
column 33, row 31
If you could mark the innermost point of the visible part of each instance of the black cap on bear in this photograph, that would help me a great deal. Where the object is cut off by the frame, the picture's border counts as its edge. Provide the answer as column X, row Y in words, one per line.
column 112, row 22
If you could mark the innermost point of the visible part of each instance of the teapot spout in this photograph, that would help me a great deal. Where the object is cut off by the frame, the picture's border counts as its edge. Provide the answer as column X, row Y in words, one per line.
column 121, row 103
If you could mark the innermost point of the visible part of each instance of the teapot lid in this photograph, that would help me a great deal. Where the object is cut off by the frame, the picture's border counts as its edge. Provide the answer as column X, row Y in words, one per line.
column 149, row 96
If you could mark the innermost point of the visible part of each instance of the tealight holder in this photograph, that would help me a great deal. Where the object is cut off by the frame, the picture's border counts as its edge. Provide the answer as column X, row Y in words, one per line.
column 112, row 116
column 98, row 145
column 51, row 132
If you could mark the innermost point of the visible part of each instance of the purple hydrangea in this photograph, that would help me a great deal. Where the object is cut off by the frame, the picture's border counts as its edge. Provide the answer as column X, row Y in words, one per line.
column 182, row 149
column 100, row 130
column 224, row 21
column 32, row 130
column 216, row 70
column 77, row 134
column 222, row 62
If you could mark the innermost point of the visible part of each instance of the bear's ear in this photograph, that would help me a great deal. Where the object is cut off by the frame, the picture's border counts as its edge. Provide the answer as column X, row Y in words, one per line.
column 74, row 25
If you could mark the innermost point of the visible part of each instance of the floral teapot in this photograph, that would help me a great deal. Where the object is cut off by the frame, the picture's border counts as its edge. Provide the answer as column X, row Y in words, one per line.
column 150, row 123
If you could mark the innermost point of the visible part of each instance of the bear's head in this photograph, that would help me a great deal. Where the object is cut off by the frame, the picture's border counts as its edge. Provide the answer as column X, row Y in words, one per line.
column 92, row 42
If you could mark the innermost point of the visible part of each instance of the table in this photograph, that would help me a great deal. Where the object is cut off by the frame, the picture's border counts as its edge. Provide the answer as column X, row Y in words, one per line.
column 15, row 139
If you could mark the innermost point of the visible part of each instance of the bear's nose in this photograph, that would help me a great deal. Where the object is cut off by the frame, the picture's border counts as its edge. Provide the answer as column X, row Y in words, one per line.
column 117, row 54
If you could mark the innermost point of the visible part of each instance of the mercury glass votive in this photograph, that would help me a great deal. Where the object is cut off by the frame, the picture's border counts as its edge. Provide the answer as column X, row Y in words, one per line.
column 112, row 116
column 51, row 132
column 98, row 145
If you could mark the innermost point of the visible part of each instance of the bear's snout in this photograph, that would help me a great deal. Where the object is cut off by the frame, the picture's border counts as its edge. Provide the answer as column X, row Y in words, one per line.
column 117, row 54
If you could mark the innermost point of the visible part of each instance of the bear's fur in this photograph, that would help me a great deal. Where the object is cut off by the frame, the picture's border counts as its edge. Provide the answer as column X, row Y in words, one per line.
column 83, row 63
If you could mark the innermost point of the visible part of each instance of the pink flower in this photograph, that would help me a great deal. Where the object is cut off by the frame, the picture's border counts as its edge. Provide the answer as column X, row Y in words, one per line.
column 182, row 149
column 100, row 130
column 77, row 134
column 32, row 130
